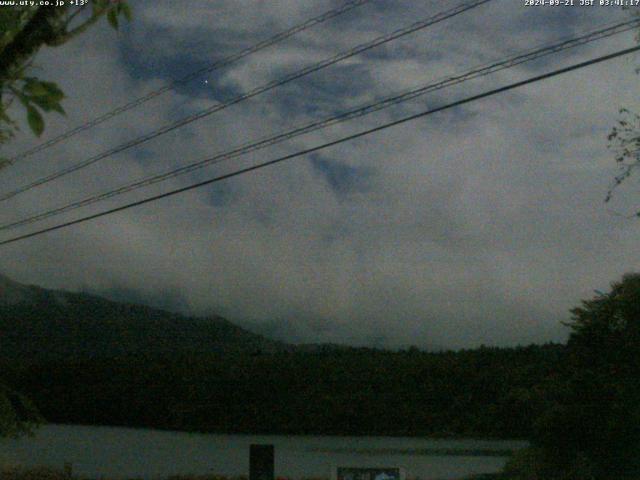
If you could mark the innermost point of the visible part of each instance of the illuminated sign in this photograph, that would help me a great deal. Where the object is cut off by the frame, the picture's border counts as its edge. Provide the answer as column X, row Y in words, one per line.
column 368, row 473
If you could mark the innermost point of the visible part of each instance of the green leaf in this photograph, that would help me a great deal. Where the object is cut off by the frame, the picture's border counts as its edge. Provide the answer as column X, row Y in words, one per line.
column 47, row 104
column 126, row 10
column 58, row 108
column 35, row 88
column 3, row 116
column 39, row 88
column 41, row 102
column 54, row 91
column 112, row 17
column 98, row 6
column 35, row 120
column 24, row 100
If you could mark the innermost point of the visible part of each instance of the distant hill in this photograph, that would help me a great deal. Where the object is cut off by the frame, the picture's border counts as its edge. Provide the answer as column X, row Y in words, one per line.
column 36, row 323
column 82, row 359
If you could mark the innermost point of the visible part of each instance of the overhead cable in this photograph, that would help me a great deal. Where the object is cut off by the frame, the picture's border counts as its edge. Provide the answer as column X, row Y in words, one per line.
column 387, row 102
column 346, row 7
column 348, row 138
column 414, row 27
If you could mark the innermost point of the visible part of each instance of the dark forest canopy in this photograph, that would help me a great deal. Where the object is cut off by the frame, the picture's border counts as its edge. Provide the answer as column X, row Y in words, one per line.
column 355, row 391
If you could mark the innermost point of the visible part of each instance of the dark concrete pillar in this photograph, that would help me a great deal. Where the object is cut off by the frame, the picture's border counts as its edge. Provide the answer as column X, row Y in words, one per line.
column 261, row 462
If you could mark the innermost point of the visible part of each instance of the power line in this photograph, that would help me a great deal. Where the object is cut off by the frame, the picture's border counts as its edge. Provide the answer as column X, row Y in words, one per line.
column 346, row 7
column 249, row 147
column 419, row 25
column 330, row 144
column 257, row 91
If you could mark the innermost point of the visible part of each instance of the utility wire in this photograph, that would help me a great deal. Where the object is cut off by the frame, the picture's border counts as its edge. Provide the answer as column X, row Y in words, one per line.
column 422, row 24
column 409, row 118
column 346, row 7
column 249, row 147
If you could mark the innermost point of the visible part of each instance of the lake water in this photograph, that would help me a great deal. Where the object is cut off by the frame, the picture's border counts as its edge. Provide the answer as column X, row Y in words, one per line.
column 122, row 452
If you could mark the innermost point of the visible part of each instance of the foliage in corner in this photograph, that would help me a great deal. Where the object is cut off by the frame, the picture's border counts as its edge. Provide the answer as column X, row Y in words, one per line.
column 590, row 428
column 37, row 96
column 25, row 30
column 18, row 416
column 624, row 139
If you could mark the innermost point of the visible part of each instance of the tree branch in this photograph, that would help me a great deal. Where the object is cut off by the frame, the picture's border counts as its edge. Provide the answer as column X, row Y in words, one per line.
column 64, row 38
column 74, row 14
column 38, row 31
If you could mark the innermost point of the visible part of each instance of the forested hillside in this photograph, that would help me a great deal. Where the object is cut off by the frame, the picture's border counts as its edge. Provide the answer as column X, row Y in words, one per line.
column 84, row 359
column 485, row 392
column 41, row 324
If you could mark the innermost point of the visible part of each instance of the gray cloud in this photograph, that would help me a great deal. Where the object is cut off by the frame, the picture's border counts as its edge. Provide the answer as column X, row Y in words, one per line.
column 483, row 224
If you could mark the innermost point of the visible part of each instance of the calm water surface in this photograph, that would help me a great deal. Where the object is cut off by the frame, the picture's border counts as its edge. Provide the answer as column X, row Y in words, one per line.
column 122, row 452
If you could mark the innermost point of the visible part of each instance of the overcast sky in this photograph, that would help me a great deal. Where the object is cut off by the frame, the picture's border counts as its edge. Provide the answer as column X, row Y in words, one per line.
column 483, row 224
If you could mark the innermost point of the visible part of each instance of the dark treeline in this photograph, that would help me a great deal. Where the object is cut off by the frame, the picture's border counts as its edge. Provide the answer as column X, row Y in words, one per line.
column 486, row 392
